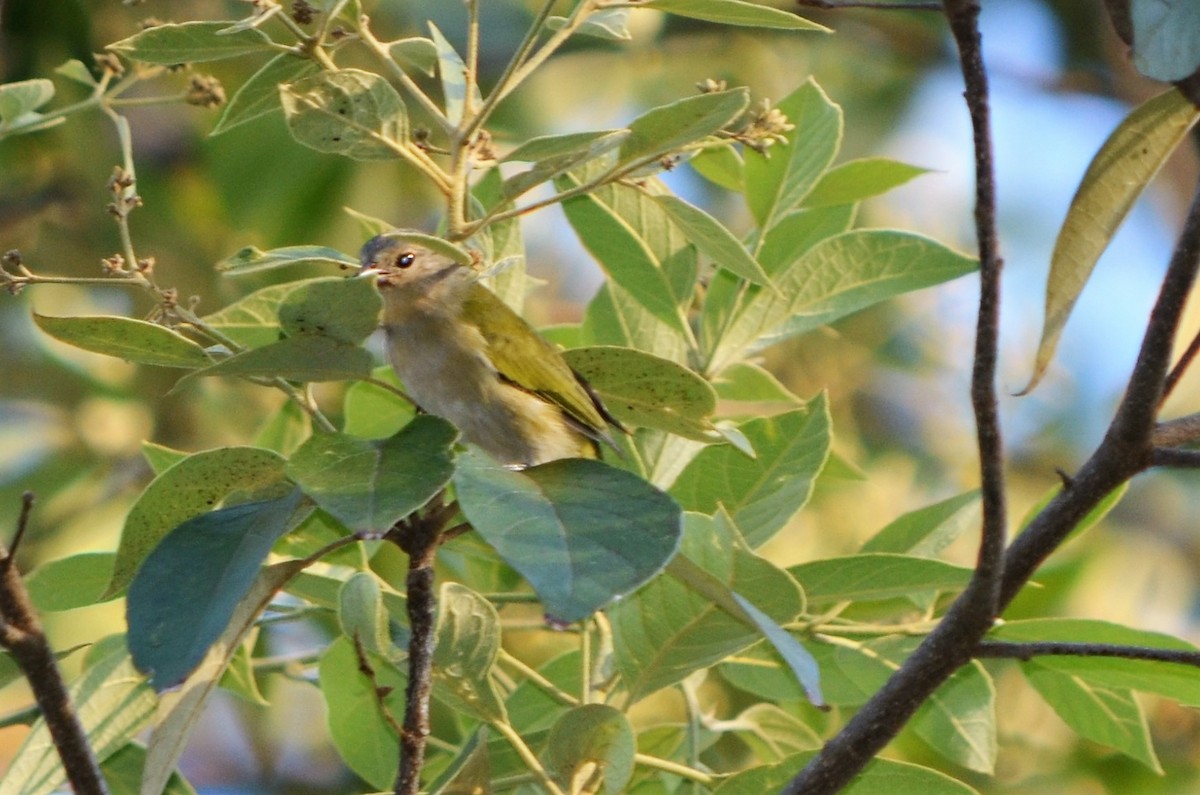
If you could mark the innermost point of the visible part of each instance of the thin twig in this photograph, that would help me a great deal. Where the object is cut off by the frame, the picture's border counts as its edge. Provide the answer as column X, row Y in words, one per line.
column 21, row 633
column 1027, row 651
column 1180, row 368
column 381, row 693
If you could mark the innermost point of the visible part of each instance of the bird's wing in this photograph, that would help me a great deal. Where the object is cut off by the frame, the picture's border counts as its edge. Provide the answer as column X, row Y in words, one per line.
column 541, row 370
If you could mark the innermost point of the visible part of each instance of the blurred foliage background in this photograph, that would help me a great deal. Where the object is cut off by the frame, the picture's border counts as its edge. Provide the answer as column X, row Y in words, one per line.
column 71, row 423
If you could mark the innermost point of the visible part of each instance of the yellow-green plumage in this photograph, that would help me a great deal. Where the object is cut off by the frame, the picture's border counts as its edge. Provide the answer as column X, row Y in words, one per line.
column 464, row 355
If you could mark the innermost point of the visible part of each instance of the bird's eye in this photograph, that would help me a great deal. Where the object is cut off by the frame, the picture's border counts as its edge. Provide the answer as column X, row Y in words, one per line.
column 406, row 259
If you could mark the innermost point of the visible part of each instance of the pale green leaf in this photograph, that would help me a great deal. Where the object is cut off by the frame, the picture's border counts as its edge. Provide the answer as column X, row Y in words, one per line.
column 348, row 112
column 735, row 12
column 259, row 95
column 1166, row 38
column 876, row 576
column 468, row 641
column 452, row 72
column 610, row 24
column 74, row 581
column 346, row 310
column 417, row 52
column 666, row 128
column 253, row 260
column 135, row 341
column 860, row 179
column 26, row 96
column 713, row 239
column 191, row 42
column 592, row 736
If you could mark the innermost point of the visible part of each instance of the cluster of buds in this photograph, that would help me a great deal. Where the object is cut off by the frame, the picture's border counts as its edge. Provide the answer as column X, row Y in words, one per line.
column 125, row 197
column 710, row 86
column 109, row 63
column 303, row 12
column 767, row 126
column 12, row 259
column 482, row 147
column 205, row 91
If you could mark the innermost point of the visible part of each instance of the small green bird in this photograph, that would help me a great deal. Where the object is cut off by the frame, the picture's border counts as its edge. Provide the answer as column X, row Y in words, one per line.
column 463, row 355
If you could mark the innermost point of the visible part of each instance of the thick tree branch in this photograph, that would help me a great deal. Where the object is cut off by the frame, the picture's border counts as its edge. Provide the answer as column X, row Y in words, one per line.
column 21, row 633
column 1027, row 651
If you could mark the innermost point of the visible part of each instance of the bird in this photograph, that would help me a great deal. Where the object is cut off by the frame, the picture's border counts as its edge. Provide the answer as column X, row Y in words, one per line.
column 464, row 355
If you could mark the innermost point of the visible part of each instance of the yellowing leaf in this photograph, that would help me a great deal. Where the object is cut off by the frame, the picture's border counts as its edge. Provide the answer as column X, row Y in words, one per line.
column 1118, row 174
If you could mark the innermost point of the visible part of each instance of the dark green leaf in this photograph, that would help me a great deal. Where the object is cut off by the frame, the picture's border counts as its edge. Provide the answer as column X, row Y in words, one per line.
column 349, row 112
column 132, row 340
column 71, row 582
column 185, row 593
column 592, row 735
column 929, row 530
column 259, row 95
column 876, row 576
column 582, row 532
column 346, row 310
column 191, row 42
column 370, row 485
column 306, row 358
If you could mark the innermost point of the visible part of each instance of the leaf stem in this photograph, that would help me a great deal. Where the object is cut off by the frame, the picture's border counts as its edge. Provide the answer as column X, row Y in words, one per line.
column 527, row 756
column 380, row 51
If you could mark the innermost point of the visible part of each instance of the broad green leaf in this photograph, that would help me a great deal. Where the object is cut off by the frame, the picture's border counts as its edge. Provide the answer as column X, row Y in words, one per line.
column 735, row 12
column 191, row 42
column 592, row 740
column 123, row 772
column 771, row 733
column 371, row 412
column 346, row 310
column 253, row 321
column 615, row 317
column 880, row 775
column 190, row 488
column 1166, row 41
column 624, row 254
column 582, row 532
column 253, row 260
column 468, row 640
column 179, row 710
column 452, row 72
column 363, row 737
column 959, row 719
column 71, row 582
column 668, row 629
column 186, row 591
column 746, row 382
column 610, row 24
column 929, row 530
column 836, row 277
column 304, row 358
column 876, row 576
column 1117, row 175
column 860, row 179
column 762, row 493
column 134, row 341
column 1173, row 680
column 648, row 391
column 1106, row 715
column 469, row 772
column 26, row 96
column 665, row 129
column 850, row 673
column 557, row 154
column 284, row 430
column 712, row 239
column 506, row 276
column 113, row 702
column 722, row 166
column 348, row 112
column 370, row 485
column 259, row 95
column 777, row 182
column 361, row 614
column 417, row 52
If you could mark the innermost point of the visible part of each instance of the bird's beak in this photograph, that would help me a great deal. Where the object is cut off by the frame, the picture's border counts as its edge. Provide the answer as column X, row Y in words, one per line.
column 372, row 271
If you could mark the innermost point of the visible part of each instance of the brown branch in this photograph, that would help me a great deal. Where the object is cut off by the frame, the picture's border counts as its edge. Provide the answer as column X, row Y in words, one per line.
column 1178, row 459
column 1027, row 651
column 1176, row 432
column 1180, row 368
column 21, row 633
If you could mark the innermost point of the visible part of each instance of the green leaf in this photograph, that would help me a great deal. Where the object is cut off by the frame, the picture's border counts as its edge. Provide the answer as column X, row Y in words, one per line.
column 191, row 487
column 470, row 771
column 609, row 24
column 452, row 72
column 712, row 239
column 468, row 640
column 370, row 485
column 554, row 155
column 669, row 629
column 1173, row 680
column 771, row 733
column 304, row 358
column 419, row 53
column 253, row 321
column 929, row 530
column 26, row 96
column 371, row 412
column 1117, row 175
column 364, row 739
column 160, row 457
column 592, row 740
column 191, row 42
column 185, row 593
column 648, row 391
column 880, row 775
column 749, row 383
column 582, row 532
column 346, row 310
column 123, row 772
column 876, row 576
column 838, row 276
column 667, row 128
column 959, row 719
column 179, row 710
column 284, row 430
column 259, row 95
column 860, row 179
column 1106, row 715
column 615, row 317
column 254, row 260
column 361, row 615
column 71, row 582
column 134, row 341
column 1166, row 45
column 113, row 702
column 76, row 70
column 722, row 166
column 348, row 112
column 734, row 12
column 762, row 493
column 778, row 181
